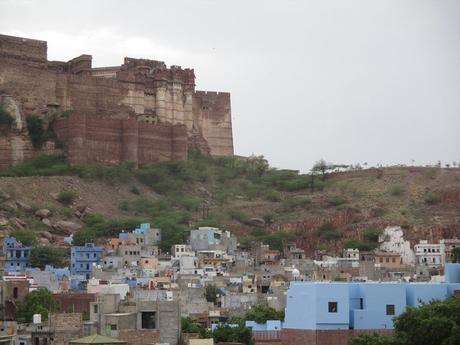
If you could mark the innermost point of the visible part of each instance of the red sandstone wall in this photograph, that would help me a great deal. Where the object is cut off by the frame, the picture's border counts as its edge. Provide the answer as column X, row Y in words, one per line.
column 23, row 48
column 317, row 337
column 112, row 141
column 74, row 302
column 212, row 110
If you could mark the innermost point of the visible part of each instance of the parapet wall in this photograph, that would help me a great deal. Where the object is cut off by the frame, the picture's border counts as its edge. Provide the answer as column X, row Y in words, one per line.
column 23, row 49
column 113, row 141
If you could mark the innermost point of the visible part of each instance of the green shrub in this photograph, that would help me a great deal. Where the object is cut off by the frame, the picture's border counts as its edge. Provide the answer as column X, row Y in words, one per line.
column 36, row 131
column 362, row 246
column 238, row 215
column 336, row 201
column 66, row 197
column 328, row 232
column 42, row 165
column 372, row 235
column 26, row 237
column 431, row 198
column 272, row 195
column 135, row 190
column 293, row 203
column 66, row 113
column 261, row 313
column 430, row 173
column 397, row 190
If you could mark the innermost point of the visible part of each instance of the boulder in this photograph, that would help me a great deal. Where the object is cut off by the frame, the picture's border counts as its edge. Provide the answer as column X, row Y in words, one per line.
column 43, row 213
column 66, row 227
column 256, row 222
column 23, row 205
column 47, row 235
column 4, row 195
column 55, row 196
column 17, row 223
column 47, row 222
column 8, row 206
column 44, row 241
column 81, row 208
column 3, row 221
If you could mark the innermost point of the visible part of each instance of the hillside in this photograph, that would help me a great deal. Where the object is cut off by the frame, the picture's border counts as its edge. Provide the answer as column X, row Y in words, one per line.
column 243, row 195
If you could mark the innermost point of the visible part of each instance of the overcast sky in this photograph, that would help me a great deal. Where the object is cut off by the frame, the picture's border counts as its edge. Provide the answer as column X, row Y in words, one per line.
column 349, row 81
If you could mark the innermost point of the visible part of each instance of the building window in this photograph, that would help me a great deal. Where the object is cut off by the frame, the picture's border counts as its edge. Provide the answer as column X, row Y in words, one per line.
column 361, row 303
column 332, row 307
column 15, row 293
column 390, row 309
column 393, row 259
column 113, row 327
column 95, row 309
column 148, row 320
column 387, row 259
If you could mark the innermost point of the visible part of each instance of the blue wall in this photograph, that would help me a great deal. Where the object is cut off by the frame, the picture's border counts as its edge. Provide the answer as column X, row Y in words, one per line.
column 360, row 305
column 308, row 306
column 375, row 299
column 17, row 255
column 82, row 259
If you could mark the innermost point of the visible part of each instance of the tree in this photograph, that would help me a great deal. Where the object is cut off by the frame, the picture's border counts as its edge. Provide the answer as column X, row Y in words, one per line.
column 212, row 292
column 234, row 333
column 437, row 322
column 456, row 255
column 320, row 167
column 188, row 326
column 372, row 339
column 261, row 313
column 39, row 301
column 42, row 256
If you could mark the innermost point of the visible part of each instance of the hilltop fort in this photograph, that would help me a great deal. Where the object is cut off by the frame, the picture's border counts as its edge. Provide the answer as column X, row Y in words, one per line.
column 141, row 111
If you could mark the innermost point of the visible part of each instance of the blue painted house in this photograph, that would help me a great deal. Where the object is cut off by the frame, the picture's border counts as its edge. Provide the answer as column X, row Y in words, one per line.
column 17, row 256
column 82, row 259
column 360, row 306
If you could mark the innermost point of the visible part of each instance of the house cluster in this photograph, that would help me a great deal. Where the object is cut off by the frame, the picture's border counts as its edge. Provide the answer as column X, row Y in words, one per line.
column 127, row 291
column 394, row 260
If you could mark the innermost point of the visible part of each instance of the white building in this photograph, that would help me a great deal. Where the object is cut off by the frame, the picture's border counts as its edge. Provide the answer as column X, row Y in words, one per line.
column 179, row 250
column 392, row 240
column 429, row 254
column 351, row 254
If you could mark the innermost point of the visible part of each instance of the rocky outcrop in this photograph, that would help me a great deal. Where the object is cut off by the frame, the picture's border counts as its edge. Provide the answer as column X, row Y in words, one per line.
column 65, row 227
column 43, row 213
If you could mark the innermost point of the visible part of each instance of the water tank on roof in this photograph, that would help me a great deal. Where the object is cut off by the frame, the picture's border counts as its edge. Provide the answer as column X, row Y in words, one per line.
column 295, row 273
column 37, row 318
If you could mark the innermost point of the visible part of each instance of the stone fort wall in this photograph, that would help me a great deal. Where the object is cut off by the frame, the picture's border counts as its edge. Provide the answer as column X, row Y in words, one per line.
column 159, row 98
column 113, row 141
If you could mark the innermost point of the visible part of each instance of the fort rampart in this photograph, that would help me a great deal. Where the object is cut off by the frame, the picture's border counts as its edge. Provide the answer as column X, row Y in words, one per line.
column 141, row 111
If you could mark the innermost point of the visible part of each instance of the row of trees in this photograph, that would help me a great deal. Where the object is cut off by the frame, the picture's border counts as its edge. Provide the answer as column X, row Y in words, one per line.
column 234, row 330
column 437, row 322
